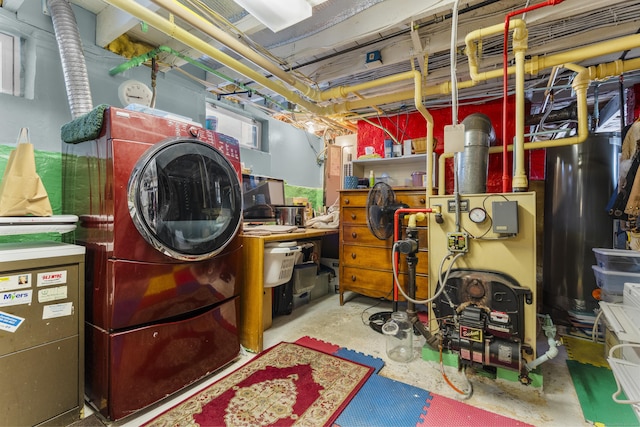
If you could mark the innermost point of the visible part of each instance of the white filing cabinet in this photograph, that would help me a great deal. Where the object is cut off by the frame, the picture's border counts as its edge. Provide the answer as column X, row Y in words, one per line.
column 41, row 333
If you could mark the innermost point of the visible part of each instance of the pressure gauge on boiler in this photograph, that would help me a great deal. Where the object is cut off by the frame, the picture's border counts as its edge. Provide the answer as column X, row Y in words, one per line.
column 478, row 215
column 134, row 92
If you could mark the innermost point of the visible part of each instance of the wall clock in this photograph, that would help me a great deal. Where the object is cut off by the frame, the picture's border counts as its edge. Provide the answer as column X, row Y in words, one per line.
column 134, row 92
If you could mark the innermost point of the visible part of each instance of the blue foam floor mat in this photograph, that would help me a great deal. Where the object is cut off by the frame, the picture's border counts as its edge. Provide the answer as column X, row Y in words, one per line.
column 385, row 402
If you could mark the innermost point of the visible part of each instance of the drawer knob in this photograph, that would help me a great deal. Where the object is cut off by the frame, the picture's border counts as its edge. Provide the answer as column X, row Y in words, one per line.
column 353, row 278
column 422, row 200
column 353, row 216
column 354, row 234
column 346, row 201
column 353, row 255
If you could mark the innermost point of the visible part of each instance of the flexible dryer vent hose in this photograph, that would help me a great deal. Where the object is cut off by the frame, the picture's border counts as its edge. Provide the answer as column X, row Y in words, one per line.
column 71, row 54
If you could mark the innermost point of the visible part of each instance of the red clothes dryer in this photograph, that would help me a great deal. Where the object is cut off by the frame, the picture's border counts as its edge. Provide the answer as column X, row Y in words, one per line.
column 160, row 208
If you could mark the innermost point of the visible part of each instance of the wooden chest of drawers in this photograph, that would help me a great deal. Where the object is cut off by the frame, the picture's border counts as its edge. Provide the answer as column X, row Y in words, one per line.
column 366, row 261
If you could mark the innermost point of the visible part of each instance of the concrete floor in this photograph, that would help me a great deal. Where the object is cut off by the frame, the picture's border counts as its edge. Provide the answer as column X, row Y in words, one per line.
column 556, row 404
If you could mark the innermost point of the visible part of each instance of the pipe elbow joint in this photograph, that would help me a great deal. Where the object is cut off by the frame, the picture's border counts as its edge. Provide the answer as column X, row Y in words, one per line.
column 581, row 82
column 520, row 39
column 474, row 74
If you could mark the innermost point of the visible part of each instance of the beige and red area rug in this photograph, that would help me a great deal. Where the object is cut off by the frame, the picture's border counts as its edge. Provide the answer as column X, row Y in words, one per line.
column 286, row 385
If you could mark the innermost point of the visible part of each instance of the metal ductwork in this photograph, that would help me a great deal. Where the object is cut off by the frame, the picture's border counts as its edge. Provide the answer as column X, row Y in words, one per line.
column 473, row 163
column 568, row 113
column 74, row 68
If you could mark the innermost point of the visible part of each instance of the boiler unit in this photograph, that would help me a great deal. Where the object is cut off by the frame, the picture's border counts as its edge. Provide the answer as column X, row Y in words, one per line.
column 160, row 208
column 482, row 318
column 482, row 279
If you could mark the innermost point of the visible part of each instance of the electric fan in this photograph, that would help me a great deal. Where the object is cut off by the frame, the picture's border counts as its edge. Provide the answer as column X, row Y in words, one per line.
column 381, row 206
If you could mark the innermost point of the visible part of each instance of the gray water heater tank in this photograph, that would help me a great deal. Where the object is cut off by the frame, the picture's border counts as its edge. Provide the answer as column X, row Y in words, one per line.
column 579, row 182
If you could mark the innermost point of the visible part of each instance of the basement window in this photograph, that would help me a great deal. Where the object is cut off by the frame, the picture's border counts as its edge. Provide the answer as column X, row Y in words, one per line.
column 245, row 129
column 10, row 64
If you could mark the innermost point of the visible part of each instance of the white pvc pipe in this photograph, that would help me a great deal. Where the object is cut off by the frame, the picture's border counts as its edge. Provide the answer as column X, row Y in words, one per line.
column 454, row 62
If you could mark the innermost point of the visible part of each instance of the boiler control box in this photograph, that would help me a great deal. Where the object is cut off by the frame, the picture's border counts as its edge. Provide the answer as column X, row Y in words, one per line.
column 505, row 217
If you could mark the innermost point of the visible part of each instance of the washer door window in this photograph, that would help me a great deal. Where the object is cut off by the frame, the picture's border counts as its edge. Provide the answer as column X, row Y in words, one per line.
column 185, row 199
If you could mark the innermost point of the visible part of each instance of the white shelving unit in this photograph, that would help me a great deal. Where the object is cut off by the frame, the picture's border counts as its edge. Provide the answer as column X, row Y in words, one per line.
column 627, row 373
column 399, row 169
column 624, row 321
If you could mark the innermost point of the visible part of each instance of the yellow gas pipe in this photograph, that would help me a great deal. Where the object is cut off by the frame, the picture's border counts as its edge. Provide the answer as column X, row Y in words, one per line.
column 519, row 181
column 532, row 66
column 172, row 30
column 472, row 50
column 580, row 84
column 233, row 43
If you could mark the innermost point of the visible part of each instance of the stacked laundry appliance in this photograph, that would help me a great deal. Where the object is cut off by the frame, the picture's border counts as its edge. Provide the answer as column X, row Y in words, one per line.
column 160, row 208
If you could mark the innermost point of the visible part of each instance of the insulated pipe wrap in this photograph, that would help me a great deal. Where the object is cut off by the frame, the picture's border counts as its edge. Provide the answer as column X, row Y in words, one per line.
column 72, row 57
column 473, row 163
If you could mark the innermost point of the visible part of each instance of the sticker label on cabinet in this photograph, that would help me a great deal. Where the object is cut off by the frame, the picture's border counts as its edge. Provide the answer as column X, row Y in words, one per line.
column 52, row 294
column 16, row 298
column 10, row 322
column 52, row 278
column 57, row 310
column 17, row 281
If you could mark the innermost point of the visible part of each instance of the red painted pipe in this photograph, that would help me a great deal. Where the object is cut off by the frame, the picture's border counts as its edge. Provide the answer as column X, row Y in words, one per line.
column 505, row 160
column 396, row 237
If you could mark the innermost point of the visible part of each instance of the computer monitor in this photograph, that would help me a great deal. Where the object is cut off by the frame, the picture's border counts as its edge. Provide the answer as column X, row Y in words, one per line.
column 259, row 195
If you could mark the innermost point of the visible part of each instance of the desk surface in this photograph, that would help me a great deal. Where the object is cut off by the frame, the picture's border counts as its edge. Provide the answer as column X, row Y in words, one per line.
column 301, row 233
column 252, row 295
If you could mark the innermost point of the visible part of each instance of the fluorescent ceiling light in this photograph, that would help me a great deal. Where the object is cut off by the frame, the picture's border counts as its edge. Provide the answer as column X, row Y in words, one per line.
column 277, row 14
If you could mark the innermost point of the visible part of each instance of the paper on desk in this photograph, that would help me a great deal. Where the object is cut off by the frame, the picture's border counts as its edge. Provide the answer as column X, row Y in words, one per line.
column 274, row 229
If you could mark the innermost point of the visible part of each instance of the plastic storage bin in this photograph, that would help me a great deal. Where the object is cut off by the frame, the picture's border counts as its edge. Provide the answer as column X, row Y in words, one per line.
column 321, row 287
column 279, row 259
column 334, row 264
column 612, row 281
column 304, row 277
column 300, row 300
column 618, row 259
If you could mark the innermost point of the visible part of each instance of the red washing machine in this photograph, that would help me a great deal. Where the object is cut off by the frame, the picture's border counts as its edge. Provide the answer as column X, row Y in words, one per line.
column 160, row 208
